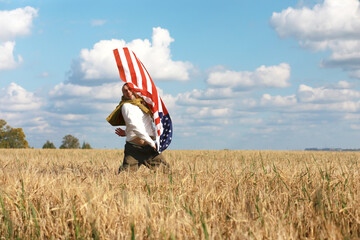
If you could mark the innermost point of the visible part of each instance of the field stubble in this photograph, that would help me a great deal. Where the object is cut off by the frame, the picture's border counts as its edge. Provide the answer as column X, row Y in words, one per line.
column 75, row 194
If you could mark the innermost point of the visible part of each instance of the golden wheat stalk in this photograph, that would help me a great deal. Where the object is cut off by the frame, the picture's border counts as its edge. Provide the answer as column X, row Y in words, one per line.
column 75, row 194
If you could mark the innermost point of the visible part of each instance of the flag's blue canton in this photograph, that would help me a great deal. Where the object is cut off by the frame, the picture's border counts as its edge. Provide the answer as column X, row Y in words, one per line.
column 166, row 136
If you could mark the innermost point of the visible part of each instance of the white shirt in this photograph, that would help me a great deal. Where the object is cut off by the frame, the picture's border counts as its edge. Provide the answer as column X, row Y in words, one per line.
column 138, row 124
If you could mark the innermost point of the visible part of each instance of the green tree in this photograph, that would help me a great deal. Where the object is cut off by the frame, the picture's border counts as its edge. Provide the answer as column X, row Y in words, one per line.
column 70, row 142
column 49, row 144
column 86, row 145
column 11, row 137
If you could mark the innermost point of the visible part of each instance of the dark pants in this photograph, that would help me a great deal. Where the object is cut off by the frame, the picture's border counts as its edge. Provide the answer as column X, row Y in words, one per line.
column 136, row 155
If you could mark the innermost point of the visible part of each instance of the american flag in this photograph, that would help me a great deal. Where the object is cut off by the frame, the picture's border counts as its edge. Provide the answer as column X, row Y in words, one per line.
column 133, row 72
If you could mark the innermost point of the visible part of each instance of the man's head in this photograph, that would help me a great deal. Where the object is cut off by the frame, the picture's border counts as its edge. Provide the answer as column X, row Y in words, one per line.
column 128, row 94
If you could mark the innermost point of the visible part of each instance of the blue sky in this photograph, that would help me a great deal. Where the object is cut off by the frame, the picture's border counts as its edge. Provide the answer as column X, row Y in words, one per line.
column 281, row 75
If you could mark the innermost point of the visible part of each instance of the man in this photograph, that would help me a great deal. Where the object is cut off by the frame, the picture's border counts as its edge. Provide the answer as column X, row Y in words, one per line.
column 140, row 148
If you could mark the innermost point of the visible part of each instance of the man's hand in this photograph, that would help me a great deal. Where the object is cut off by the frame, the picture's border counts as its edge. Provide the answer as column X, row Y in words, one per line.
column 120, row 132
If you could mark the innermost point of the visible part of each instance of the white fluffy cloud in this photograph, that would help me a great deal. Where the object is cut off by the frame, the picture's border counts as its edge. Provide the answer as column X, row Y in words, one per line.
column 329, row 20
column 7, row 60
column 207, row 112
column 13, row 24
column 326, row 95
column 277, row 101
column 67, row 98
column 99, row 62
column 15, row 98
column 209, row 94
column 108, row 91
column 332, row 24
column 310, row 99
column 16, row 22
column 345, row 54
column 205, row 98
column 262, row 77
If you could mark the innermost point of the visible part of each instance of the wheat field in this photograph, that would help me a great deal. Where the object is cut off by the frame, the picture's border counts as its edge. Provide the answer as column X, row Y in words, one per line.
column 75, row 194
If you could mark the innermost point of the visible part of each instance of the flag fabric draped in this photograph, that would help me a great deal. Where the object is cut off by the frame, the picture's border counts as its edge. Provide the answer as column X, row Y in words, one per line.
column 133, row 72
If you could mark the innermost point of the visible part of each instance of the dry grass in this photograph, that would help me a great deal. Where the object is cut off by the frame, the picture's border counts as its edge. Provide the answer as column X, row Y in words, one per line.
column 75, row 194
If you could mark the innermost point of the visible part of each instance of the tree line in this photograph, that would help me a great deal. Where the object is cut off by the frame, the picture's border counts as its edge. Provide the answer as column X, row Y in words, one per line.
column 68, row 142
column 15, row 138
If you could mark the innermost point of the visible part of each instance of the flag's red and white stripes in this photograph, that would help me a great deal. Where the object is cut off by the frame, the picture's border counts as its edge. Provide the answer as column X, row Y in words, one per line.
column 133, row 72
